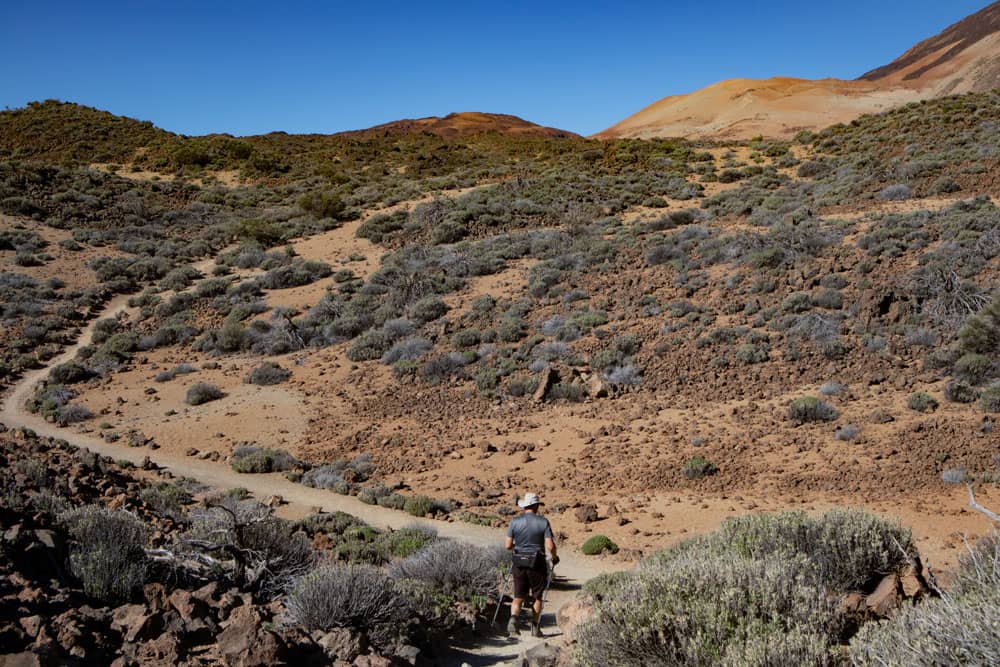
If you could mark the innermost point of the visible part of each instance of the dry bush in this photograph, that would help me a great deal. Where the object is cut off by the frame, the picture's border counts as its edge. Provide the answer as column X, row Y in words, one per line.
column 453, row 568
column 202, row 392
column 358, row 597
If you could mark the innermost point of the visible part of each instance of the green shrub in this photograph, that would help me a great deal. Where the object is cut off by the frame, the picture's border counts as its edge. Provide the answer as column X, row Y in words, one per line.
column 598, row 544
column 957, row 391
column 753, row 354
column 427, row 309
column 697, row 467
column 974, row 368
column 417, row 505
column 259, row 460
column 811, row 409
column 921, row 402
column 989, row 400
column 166, row 499
column 69, row 373
column 981, row 332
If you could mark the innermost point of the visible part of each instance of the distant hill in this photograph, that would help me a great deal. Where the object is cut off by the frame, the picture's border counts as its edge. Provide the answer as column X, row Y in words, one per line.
column 963, row 58
column 463, row 124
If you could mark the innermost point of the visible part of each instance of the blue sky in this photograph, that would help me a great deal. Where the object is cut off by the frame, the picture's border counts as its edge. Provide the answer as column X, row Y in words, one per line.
column 253, row 67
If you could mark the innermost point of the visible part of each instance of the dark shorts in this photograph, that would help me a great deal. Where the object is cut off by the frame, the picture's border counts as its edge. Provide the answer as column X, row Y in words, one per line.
column 530, row 581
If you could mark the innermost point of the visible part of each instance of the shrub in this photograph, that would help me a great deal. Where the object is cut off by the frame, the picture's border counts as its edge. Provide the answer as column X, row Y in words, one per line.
column 989, row 400
column 370, row 345
column 981, row 332
column 268, row 373
column 811, row 409
column 258, row 460
column 357, row 597
column 266, row 552
column 753, row 354
column 960, row 628
column 697, row 467
column 974, row 368
column 921, row 402
column 895, row 192
column 69, row 373
column 957, row 391
column 72, row 414
column 847, row 432
column 166, row 499
column 598, row 544
column 832, row 388
column 417, row 505
column 107, row 556
column 701, row 610
column 453, row 568
column 406, row 541
column 202, row 392
column 409, row 349
column 427, row 309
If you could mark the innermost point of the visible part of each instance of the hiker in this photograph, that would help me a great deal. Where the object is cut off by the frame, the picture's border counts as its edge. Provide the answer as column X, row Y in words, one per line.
column 529, row 536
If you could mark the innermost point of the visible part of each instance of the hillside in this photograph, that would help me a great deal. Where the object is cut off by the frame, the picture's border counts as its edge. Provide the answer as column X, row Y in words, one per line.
column 963, row 58
column 464, row 124
column 657, row 336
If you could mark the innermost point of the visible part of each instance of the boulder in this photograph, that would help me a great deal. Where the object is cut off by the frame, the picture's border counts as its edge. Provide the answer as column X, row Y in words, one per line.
column 135, row 622
column 886, row 597
column 245, row 642
column 26, row 659
column 572, row 614
column 540, row 655
column 586, row 513
column 339, row 643
column 549, row 377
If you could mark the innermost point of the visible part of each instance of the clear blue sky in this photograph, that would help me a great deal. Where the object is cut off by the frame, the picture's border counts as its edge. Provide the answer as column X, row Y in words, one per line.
column 251, row 67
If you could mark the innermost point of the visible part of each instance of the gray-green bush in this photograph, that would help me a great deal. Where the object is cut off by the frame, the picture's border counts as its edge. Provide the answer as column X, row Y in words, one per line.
column 107, row 555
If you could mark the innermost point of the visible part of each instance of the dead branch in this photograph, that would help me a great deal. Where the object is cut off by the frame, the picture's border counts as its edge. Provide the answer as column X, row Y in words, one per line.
column 979, row 508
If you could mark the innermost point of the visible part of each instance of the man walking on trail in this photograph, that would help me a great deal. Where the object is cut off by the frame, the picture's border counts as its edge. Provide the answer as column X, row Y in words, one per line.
column 529, row 536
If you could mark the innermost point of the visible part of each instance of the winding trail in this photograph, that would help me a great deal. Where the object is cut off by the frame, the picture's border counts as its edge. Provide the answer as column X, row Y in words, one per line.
column 487, row 648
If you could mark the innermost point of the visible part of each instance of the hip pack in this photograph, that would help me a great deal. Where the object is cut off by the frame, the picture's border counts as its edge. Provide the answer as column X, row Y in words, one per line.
column 527, row 560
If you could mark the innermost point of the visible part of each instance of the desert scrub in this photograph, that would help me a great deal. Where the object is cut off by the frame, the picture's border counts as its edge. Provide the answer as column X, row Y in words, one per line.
column 107, row 554
column 202, row 392
column 989, row 400
column 959, row 628
column 268, row 373
column 598, row 544
column 921, row 402
column 974, row 368
column 359, row 597
column 810, row 409
column 252, row 459
column 697, row 467
column 418, row 506
column 760, row 590
column 957, row 391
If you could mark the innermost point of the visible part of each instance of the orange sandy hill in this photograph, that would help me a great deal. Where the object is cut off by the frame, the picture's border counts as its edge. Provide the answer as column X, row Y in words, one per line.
column 464, row 124
column 963, row 58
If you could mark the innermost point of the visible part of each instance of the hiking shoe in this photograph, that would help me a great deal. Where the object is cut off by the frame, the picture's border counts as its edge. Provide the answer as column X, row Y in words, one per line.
column 513, row 627
column 536, row 630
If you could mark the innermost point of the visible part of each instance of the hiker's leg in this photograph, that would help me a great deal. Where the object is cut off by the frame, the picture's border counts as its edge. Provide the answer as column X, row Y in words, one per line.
column 515, row 607
column 537, row 609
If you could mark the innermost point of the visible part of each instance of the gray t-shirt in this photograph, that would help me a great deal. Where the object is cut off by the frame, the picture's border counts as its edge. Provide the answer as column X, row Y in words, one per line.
column 529, row 532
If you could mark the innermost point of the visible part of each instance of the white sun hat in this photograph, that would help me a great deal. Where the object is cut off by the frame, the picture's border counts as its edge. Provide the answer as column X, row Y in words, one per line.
column 529, row 500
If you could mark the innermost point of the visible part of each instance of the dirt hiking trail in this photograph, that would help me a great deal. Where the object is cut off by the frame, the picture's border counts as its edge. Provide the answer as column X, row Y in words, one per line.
column 485, row 647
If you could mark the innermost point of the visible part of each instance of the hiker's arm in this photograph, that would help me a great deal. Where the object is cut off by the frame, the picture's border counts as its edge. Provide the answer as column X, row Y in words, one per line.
column 508, row 543
column 550, row 544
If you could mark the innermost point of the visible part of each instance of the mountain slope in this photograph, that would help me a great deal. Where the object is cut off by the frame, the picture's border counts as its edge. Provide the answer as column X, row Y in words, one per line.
column 963, row 58
column 464, row 124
